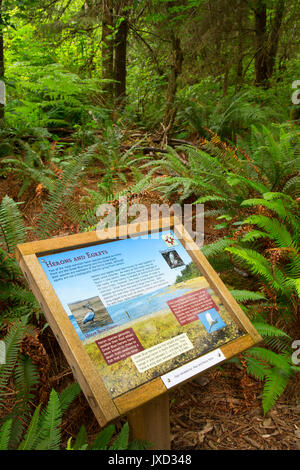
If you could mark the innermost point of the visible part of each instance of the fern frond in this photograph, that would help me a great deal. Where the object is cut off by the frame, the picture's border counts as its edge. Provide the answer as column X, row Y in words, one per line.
column 275, row 205
column 276, row 382
column 276, row 230
column 246, row 296
column 68, row 395
column 264, row 329
column 81, row 438
column 5, row 433
column 26, row 377
column 121, row 441
column 257, row 186
column 102, row 439
column 61, row 192
column 32, row 434
column 212, row 198
column 12, row 228
column 215, row 248
column 259, row 265
column 49, row 435
column 12, row 344
column 270, row 357
column 256, row 368
column 254, row 235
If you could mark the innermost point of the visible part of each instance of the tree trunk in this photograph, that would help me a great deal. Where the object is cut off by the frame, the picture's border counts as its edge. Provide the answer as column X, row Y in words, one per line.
column 261, row 67
column 240, row 47
column 266, row 45
column 107, row 46
column 275, row 36
column 176, row 69
column 120, row 61
column 2, row 70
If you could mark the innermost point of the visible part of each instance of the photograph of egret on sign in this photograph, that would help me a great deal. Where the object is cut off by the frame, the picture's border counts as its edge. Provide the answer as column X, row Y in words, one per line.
column 140, row 306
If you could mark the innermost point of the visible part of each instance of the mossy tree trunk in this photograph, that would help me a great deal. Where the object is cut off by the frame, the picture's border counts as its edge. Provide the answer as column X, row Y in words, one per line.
column 120, row 60
column 108, row 47
column 175, row 71
column 261, row 70
column 267, row 40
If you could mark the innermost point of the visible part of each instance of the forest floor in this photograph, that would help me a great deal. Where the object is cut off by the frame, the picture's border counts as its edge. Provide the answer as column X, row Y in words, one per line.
column 220, row 410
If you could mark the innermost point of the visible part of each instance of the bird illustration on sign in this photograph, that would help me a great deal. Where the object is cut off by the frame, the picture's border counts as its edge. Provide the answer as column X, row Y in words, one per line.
column 210, row 321
column 90, row 316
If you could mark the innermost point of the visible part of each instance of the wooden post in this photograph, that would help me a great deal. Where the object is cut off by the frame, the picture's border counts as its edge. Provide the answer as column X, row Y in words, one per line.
column 151, row 423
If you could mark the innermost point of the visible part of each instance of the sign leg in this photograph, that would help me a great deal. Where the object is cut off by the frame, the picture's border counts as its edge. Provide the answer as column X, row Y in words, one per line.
column 151, row 423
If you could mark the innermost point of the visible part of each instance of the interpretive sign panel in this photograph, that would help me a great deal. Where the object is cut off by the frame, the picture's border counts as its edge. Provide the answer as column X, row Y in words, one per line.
column 140, row 311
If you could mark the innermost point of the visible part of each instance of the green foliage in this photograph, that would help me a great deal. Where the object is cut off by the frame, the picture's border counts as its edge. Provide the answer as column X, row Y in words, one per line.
column 121, row 441
column 16, row 300
column 275, row 369
column 48, row 437
column 5, row 431
column 146, row 86
column 43, row 432
column 115, row 164
column 12, row 229
column 283, row 232
column 231, row 115
column 51, row 96
column 244, row 296
column 30, row 167
column 61, row 192
column 26, row 380
column 103, row 439
column 225, row 176
column 276, row 153
column 271, row 255
column 12, row 343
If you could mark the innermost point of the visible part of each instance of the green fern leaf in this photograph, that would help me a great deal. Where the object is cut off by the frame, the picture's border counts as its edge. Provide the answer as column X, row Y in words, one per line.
column 68, row 395
column 270, row 358
column 276, row 230
column 102, row 439
column 12, row 228
column 264, row 329
column 246, row 295
column 256, row 369
column 80, row 439
column 50, row 425
column 32, row 434
column 213, row 249
column 12, row 344
column 121, row 441
column 276, row 381
column 275, row 206
column 5, row 432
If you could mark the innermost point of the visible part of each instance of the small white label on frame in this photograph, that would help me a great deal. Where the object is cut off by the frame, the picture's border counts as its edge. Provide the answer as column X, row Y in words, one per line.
column 193, row 368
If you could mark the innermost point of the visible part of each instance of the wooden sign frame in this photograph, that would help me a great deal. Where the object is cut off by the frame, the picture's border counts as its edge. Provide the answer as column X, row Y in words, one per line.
column 104, row 407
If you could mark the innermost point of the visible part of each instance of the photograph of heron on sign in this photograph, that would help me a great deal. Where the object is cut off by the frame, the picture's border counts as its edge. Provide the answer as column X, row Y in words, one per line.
column 140, row 307
column 90, row 314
